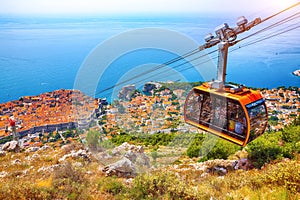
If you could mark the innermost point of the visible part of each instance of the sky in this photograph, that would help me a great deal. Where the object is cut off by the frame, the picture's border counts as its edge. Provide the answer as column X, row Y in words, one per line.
column 90, row 7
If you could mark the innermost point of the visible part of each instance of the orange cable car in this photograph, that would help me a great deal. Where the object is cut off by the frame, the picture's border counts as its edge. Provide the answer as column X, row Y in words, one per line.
column 237, row 114
column 231, row 112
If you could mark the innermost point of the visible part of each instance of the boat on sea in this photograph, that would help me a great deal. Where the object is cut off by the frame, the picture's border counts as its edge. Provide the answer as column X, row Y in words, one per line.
column 296, row 73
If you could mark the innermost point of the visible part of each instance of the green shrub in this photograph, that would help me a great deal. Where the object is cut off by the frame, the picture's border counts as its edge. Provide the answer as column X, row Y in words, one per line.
column 275, row 145
column 291, row 134
column 222, row 150
column 111, row 185
column 195, row 146
column 92, row 139
column 264, row 149
column 211, row 147
column 285, row 174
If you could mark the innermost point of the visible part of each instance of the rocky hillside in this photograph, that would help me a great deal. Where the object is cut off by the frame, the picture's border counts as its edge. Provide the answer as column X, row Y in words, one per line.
column 73, row 172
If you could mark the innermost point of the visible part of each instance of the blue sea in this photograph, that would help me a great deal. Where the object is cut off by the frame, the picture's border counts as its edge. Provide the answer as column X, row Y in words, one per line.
column 41, row 54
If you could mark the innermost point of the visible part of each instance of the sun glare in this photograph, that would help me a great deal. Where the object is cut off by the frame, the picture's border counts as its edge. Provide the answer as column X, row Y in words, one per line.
column 282, row 4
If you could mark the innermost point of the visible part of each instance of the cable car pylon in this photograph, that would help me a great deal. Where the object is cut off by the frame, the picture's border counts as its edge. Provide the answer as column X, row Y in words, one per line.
column 234, row 113
column 225, row 38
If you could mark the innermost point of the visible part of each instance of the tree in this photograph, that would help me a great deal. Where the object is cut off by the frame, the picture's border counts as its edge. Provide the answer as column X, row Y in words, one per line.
column 195, row 147
column 154, row 155
column 92, row 140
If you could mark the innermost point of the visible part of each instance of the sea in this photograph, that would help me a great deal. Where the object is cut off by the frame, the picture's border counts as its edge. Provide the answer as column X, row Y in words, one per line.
column 42, row 54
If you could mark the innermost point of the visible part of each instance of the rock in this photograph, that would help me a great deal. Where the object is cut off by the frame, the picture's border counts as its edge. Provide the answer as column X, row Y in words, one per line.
column 121, row 149
column 50, row 168
column 89, row 173
column 45, row 147
column 138, row 158
column 3, row 174
column 140, row 149
column 11, row 146
column 221, row 171
column 81, row 153
column 2, row 153
column 243, row 164
column 143, row 160
column 134, row 153
column 125, row 147
column 78, row 165
column 16, row 162
column 33, row 157
column 32, row 149
column 102, row 156
column 67, row 148
column 130, row 158
column 123, row 168
column 129, row 181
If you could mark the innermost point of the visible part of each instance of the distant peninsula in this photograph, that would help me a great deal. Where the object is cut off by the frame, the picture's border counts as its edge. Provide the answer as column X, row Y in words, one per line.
column 297, row 73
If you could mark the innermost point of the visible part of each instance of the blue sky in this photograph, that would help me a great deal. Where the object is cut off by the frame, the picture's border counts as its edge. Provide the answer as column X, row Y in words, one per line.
column 82, row 7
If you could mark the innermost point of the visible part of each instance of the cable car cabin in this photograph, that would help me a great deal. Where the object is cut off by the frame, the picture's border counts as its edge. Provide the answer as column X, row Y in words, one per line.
column 236, row 114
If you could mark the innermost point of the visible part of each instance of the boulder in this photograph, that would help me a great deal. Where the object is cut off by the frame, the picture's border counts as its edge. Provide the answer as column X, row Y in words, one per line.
column 243, row 164
column 130, row 158
column 11, row 146
column 33, row 157
column 50, row 168
column 123, row 168
column 81, row 153
column 103, row 156
column 138, row 158
column 119, row 150
column 45, row 147
column 16, row 162
column 2, row 153
column 32, row 149
column 3, row 174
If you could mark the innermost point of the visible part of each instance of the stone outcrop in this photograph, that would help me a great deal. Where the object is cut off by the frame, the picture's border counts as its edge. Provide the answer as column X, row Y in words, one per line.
column 122, row 168
column 16, row 162
column 81, row 153
column 32, row 149
column 219, row 167
column 3, row 174
column 33, row 157
column 50, row 168
column 243, row 164
column 2, row 153
column 11, row 146
column 130, row 158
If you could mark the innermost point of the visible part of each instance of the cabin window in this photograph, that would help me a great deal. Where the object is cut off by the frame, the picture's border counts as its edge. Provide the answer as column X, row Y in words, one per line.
column 258, row 118
column 237, row 123
column 216, row 112
column 193, row 106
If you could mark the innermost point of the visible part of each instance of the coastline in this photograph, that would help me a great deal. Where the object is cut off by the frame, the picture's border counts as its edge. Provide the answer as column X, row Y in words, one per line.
column 55, row 110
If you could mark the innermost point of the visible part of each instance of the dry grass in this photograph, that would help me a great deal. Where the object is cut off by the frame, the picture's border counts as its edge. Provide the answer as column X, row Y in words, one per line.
column 78, row 179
